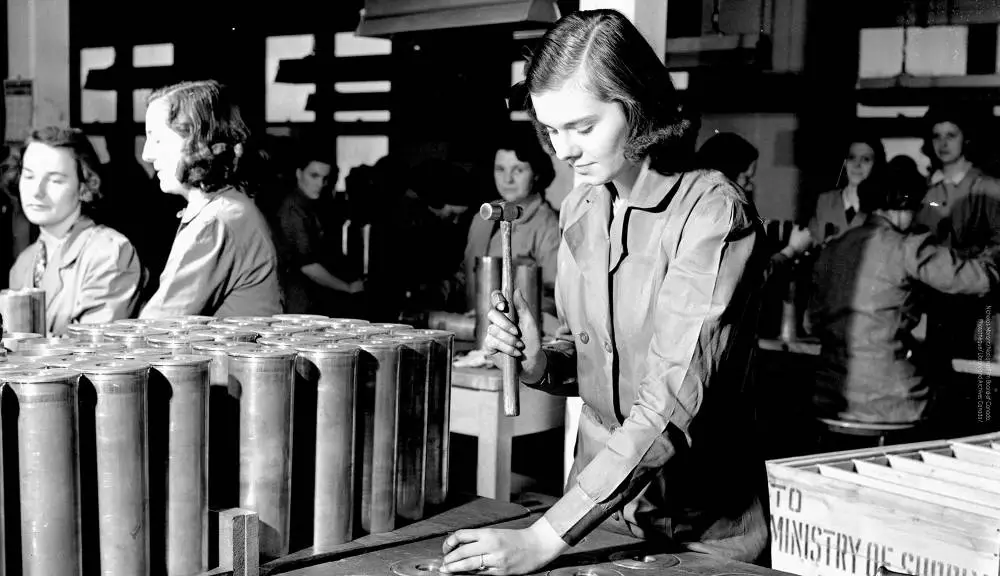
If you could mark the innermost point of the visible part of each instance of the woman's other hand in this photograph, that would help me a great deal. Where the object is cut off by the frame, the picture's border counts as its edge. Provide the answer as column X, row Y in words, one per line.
column 502, row 552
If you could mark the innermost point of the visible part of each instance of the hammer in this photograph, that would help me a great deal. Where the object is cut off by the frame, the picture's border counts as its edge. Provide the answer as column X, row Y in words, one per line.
column 506, row 213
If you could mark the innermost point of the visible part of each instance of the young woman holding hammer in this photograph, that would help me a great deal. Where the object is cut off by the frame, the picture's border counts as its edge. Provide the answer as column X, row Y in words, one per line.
column 659, row 270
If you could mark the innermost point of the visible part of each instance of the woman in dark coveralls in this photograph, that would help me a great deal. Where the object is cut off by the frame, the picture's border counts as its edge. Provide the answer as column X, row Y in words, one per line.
column 659, row 273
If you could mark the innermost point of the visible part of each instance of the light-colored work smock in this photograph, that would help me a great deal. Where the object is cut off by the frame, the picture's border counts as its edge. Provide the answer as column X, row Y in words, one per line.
column 222, row 263
column 94, row 276
column 662, row 298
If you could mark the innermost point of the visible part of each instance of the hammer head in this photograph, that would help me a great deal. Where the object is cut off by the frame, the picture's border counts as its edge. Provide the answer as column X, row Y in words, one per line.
column 500, row 210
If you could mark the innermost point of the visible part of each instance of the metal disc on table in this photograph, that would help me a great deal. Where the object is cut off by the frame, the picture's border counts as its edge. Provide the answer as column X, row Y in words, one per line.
column 418, row 567
column 637, row 561
column 584, row 571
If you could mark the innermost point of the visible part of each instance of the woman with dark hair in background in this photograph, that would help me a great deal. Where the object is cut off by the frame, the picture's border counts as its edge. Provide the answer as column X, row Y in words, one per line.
column 736, row 158
column 223, row 261
column 658, row 284
column 962, row 204
column 313, row 271
column 732, row 155
column 90, row 273
column 843, row 207
column 962, row 208
column 521, row 172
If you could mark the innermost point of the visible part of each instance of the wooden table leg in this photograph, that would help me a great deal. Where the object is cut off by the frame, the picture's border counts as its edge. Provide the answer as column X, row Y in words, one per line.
column 493, row 471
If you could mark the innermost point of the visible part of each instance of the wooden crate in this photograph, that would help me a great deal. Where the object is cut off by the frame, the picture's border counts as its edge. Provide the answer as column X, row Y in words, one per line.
column 929, row 508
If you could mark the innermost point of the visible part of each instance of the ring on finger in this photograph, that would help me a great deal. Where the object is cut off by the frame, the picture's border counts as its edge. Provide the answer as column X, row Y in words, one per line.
column 482, row 562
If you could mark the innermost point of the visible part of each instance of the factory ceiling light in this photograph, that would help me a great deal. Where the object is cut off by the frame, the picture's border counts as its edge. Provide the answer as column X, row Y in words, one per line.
column 387, row 17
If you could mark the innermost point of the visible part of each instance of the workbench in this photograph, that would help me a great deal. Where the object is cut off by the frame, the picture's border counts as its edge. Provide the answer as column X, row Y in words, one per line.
column 477, row 410
column 588, row 558
column 784, row 382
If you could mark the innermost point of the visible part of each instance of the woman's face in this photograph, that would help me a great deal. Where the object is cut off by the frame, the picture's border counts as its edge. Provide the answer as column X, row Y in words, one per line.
column 948, row 142
column 164, row 147
column 859, row 162
column 586, row 132
column 49, row 185
column 514, row 179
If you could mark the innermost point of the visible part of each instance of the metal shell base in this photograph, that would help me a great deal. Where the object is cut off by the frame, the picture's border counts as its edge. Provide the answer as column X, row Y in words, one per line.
column 584, row 571
column 635, row 561
column 418, row 567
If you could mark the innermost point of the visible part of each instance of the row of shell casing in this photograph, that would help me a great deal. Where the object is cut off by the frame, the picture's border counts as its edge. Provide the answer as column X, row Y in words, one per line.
column 113, row 456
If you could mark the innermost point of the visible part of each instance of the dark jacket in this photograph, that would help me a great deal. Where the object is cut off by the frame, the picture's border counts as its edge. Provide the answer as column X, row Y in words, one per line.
column 308, row 233
column 662, row 301
column 866, row 299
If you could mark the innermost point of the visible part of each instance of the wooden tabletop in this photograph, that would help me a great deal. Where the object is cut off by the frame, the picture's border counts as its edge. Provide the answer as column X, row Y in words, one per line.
column 991, row 368
column 812, row 348
column 490, row 379
column 471, row 512
column 594, row 552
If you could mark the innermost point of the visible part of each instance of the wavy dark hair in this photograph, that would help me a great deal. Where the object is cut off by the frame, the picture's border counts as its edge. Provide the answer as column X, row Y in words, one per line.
column 618, row 65
column 526, row 147
column 728, row 153
column 206, row 116
column 879, row 166
column 899, row 187
column 88, row 163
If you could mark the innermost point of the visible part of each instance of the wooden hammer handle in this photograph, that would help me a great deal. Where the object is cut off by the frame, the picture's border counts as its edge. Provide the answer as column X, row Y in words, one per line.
column 511, row 367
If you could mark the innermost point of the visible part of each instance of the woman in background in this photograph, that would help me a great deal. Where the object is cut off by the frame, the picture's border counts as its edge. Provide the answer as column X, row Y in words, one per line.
column 962, row 203
column 90, row 273
column 521, row 172
column 732, row 155
column 736, row 158
column 223, row 261
column 962, row 208
column 843, row 208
